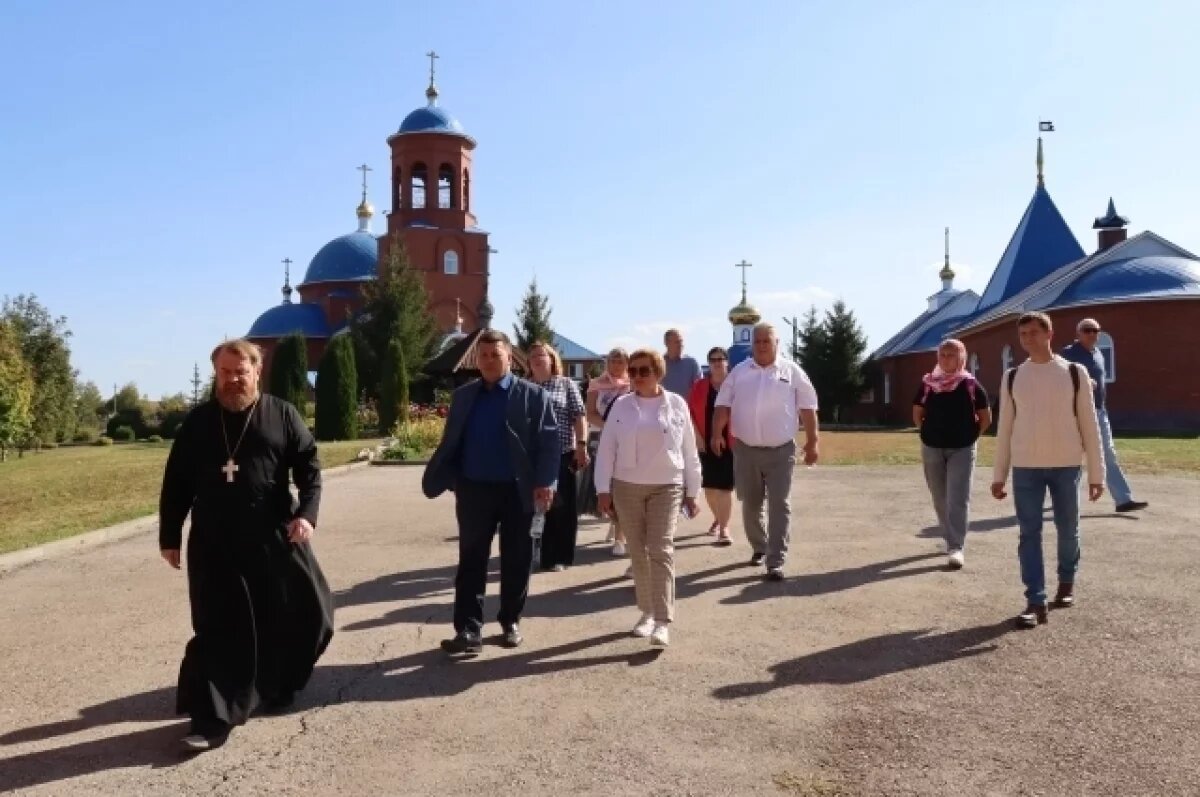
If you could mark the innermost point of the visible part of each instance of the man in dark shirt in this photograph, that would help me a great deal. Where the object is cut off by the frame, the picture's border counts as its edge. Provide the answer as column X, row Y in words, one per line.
column 1086, row 352
column 500, row 455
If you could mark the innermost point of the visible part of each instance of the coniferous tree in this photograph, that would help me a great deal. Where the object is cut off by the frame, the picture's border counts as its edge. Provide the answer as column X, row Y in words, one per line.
column 393, row 389
column 845, row 345
column 289, row 371
column 337, row 392
column 533, row 319
column 396, row 307
column 812, row 351
column 16, row 393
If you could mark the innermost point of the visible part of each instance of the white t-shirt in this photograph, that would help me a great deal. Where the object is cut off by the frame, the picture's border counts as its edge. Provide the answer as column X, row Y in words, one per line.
column 765, row 402
column 649, row 435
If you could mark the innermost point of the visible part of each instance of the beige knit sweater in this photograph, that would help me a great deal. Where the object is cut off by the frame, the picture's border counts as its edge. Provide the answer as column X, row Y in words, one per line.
column 1042, row 430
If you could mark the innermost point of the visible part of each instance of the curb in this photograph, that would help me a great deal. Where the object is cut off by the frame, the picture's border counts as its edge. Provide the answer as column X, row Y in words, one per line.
column 397, row 463
column 87, row 540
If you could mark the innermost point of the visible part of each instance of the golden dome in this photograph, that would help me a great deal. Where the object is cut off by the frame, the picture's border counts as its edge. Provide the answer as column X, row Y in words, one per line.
column 744, row 313
column 365, row 210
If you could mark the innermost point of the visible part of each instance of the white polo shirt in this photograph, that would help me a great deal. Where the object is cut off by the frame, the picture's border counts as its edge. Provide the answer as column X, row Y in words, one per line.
column 765, row 403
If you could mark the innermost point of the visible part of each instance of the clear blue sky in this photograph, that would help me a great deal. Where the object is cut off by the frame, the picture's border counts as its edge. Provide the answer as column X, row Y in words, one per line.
column 158, row 164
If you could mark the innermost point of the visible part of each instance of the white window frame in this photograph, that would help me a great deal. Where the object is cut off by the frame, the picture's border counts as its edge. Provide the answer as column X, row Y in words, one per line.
column 1108, row 350
column 450, row 262
column 973, row 365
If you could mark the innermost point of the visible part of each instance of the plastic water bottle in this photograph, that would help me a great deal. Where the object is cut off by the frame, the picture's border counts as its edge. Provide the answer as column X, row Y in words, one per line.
column 538, row 526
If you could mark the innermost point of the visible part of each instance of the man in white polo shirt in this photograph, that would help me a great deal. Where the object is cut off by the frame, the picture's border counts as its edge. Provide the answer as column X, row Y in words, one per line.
column 767, row 397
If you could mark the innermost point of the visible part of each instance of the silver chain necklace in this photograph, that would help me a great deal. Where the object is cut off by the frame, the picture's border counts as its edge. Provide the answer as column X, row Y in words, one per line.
column 230, row 467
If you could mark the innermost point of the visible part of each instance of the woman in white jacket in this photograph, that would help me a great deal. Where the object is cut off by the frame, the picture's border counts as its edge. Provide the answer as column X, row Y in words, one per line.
column 646, row 468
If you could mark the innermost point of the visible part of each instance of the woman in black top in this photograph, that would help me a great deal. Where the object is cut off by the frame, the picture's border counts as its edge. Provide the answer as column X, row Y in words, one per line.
column 951, row 410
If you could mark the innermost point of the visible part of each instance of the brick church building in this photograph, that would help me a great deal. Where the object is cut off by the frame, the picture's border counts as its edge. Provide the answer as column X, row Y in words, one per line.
column 1144, row 291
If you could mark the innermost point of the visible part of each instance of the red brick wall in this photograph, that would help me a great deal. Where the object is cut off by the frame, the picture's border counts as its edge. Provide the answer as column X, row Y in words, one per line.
column 1157, row 369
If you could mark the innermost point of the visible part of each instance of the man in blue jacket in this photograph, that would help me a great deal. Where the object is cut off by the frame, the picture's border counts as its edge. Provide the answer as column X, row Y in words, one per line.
column 500, row 455
column 1086, row 351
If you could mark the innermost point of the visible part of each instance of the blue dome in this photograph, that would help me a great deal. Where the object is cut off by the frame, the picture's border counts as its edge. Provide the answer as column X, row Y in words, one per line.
column 1133, row 278
column 350, row 257
column 431, row 119
column 284, row 319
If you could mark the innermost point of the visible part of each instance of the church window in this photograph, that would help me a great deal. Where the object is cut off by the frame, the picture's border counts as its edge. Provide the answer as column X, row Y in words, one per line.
column 466, row 190
column 1105, row 345
column 973, row 365
column 887, row 388
column 450, row 262
column 417, row 176
column 445, row 186
column 1006, row 358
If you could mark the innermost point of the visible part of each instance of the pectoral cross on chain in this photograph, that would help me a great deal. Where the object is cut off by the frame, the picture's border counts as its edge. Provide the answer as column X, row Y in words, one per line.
column 229, row 469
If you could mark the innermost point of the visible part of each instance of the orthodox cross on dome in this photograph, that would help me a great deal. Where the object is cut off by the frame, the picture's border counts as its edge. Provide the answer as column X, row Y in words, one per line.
column 743, row 266
column 432, row 92
column 287, row 280
column 364, row 168
column 1043, row 127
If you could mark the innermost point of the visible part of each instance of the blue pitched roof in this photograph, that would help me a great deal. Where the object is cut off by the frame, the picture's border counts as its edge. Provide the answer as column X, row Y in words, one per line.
column 352, row 257
column 930, row 328
column 1041, row 244
column 284, row 319
column 570, row 350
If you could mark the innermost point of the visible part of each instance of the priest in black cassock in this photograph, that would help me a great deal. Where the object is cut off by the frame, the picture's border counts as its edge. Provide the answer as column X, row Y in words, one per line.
column 261, row 610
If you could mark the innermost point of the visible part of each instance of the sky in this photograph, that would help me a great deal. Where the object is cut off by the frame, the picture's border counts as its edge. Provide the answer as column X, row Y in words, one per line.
column 158, row 161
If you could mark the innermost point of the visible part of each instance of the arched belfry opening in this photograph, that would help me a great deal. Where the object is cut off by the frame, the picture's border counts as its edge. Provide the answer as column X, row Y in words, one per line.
column 467, row 190
column 418, row 177
column 445, row 186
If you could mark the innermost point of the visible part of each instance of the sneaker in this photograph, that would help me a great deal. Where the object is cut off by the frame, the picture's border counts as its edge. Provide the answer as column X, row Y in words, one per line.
column 757, row 559
column 644, row 628
column 512, row 637
column 463, row 644
column 714, row 528
column 1032, row 617
column 723, row 539
column 1065, row 597
column 1132, row 506
column 660, row 637
column 611, row 537
column 203, row 737
column 775, row 574
column 619, row 549
column 956, row 560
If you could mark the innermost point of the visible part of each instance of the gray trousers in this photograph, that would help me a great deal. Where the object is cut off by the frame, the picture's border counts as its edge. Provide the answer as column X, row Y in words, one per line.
column 948, row 474
column 760, row 473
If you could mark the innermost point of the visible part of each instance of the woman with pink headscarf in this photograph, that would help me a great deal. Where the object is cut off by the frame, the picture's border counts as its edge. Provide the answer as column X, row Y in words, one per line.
column 951, row 410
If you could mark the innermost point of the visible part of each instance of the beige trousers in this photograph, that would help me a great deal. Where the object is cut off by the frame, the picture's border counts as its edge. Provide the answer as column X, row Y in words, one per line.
column 648, row 514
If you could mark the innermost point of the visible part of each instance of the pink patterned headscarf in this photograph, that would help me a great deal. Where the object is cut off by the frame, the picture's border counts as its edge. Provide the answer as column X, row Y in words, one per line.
column 940, row 381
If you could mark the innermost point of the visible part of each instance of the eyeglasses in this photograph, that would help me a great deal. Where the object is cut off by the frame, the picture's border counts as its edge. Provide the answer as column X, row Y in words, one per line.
column 1090, row 330
column 715, row 360
column 641, row 370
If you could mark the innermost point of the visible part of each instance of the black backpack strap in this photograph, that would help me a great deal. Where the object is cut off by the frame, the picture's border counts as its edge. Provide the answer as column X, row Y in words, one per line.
column 1075, row 388
column 1012, row 374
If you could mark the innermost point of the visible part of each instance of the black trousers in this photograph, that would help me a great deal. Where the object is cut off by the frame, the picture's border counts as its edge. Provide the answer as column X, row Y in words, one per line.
column 482, row 507
column 562, row 521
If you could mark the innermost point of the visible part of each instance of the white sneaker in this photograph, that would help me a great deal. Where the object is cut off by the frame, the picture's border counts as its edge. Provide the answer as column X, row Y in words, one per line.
column 619, row 549
column 645, row 627
column 611, row 537
column 660, row 637
column 956, row 560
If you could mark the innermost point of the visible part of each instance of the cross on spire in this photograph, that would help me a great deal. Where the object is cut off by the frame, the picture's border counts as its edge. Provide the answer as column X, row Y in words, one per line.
column 432, row 93
column 743, row 266
column 364, row 168
column 287, row 280
column 1043, row 127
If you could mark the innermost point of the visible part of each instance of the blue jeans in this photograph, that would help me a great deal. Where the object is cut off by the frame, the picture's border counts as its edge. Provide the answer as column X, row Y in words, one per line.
column 1029, row 491
column 1118, row 487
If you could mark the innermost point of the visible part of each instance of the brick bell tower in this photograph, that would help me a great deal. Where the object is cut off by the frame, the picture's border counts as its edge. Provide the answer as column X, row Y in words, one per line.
column 431, row 213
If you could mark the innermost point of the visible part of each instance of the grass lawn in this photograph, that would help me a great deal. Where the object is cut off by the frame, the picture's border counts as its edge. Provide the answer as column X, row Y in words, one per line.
column 66, row 491
column 69, row 490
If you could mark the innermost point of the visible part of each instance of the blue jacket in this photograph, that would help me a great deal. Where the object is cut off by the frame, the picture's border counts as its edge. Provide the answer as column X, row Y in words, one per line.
column 532, row 440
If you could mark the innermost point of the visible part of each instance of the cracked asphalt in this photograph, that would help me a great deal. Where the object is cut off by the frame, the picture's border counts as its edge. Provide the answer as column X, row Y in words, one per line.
column 870, row 671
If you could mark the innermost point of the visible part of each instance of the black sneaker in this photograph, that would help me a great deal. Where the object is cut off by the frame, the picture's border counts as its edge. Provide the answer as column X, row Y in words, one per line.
column 512, row 637
column 1132, row 506
column 1032, row 617
column 757, row 559
column 280, row 703
column 775, row 574
column 204, row 736
column 463, row 644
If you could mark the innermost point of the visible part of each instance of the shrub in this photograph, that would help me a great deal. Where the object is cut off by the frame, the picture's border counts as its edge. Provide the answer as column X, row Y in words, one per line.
column 154, row 438
column 393, row 388
column 84, row 436
column 103, row 440
column 49, row 444
column 337, row 392
column 124, row 434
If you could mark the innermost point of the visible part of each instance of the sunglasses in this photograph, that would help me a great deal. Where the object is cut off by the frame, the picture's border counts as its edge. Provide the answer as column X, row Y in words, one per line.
column 715, row 360
column 641, row 370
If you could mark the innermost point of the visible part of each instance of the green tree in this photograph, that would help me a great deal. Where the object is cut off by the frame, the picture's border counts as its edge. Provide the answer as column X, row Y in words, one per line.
column 43, row 341
column 393, row 389
column 845, row 345
column 812, row 352
column 127, row 398
column 337, row 392
column 89, row 407
column 16, row 393
column 395, row 307
column 533, row 318
column 289, row 371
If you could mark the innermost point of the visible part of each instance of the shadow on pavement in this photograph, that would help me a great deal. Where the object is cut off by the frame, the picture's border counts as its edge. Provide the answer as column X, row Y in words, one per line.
column 808, row 584
column 872, row 658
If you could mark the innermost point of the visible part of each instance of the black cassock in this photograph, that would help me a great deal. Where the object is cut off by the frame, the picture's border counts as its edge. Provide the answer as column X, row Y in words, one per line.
column 261, row 610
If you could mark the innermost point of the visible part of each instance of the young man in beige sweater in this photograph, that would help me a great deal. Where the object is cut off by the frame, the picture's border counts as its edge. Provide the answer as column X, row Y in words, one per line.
column 1047, row 427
